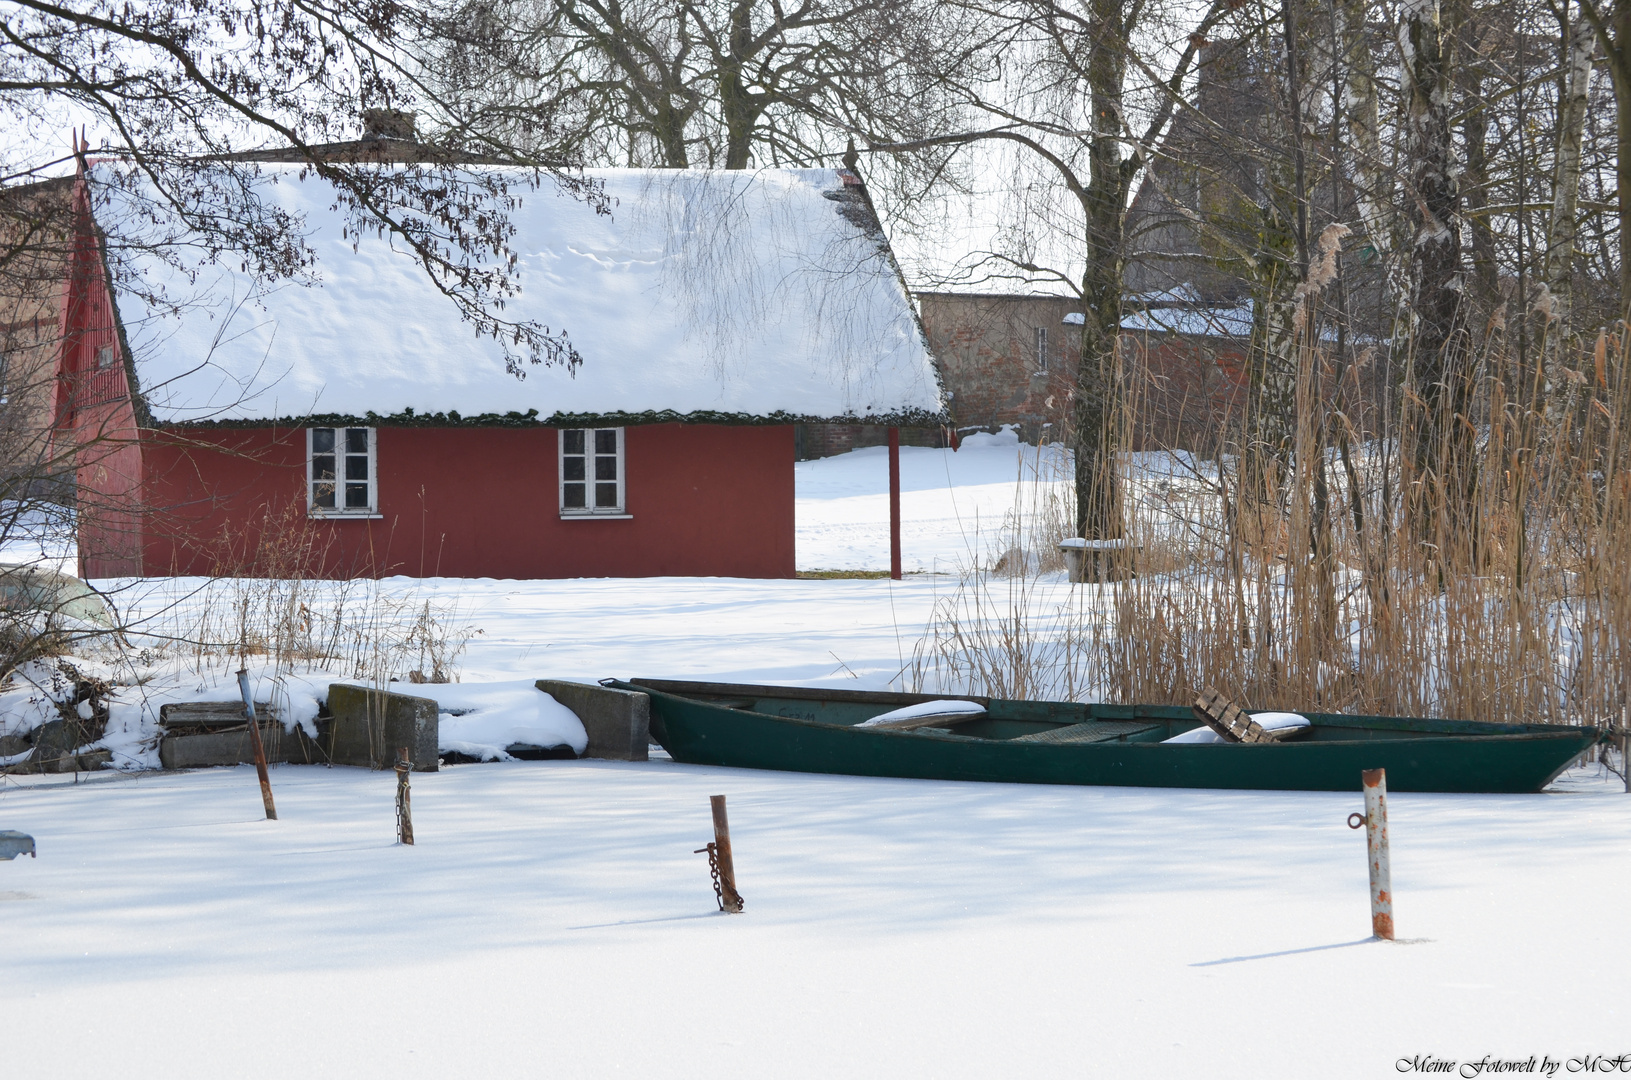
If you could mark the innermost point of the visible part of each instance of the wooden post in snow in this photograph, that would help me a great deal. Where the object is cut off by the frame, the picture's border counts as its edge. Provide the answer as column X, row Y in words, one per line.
column 255, row 745
column 404, row 805
column 894, row 503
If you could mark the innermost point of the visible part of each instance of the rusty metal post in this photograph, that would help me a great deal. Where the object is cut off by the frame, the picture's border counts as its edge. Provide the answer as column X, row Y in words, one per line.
column 729, row 898
column 1381, row 875
column 894, row 503
column 404, row 807
column 255, row 745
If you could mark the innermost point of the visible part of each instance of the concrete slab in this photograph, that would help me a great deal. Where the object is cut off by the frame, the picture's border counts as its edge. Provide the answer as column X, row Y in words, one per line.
column 369, row 725
column 618, row 722
column 225, row 748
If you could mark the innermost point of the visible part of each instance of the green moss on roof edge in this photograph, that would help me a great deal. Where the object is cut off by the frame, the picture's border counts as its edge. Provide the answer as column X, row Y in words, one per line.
column 530, row 418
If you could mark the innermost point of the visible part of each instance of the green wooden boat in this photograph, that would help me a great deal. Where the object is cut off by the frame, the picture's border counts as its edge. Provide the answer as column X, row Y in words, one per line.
column 1051, row 742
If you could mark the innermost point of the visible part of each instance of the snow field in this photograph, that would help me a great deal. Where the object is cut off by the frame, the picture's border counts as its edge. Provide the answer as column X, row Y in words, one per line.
column 552, row 920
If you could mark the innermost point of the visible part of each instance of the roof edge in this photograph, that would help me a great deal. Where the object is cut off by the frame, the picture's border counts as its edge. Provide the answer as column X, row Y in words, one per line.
column 409, row 418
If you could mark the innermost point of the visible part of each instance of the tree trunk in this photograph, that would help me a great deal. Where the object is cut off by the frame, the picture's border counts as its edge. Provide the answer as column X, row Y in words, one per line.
column 1475, row 136
column 1613, row 29
column 1560, row 231
column 739, row 108
column 1099, row 402
column 1371, row 173
column 1438, row 360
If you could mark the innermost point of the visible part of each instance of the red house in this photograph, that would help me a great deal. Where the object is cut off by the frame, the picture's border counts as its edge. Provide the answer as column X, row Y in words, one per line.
column 359, row 426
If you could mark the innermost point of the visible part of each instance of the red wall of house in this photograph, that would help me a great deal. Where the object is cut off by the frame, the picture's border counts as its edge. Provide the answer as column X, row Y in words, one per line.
column 92, row 410
column 705, row 500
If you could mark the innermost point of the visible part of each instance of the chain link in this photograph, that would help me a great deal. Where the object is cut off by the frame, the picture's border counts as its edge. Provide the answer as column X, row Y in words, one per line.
column 713, row 868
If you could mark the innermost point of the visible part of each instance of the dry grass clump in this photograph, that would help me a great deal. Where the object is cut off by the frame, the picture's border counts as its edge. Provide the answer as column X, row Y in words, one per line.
column 268, row 599
column 1495, row 589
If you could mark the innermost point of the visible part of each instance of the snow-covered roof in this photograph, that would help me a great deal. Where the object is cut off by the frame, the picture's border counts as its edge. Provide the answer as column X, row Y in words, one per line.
column 1199, row 321
column 766, row 295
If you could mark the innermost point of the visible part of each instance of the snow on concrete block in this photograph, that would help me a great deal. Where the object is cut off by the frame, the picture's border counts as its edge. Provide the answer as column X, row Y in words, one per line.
column 369, row 725
column 618, row 722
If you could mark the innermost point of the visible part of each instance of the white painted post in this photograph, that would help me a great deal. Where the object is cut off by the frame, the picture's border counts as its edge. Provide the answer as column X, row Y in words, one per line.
column 1381, row 876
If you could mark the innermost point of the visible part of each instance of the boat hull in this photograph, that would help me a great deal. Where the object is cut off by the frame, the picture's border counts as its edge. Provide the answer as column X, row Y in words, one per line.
column 1488, row 758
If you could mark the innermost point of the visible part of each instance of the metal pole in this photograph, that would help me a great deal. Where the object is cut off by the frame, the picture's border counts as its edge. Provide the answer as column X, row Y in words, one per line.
column 729, row 898
column 1381, row 876
column 255, row 745
column 404, row 807
column 894, row 503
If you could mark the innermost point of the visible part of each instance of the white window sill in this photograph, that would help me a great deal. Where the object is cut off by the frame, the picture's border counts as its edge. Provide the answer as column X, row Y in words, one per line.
column 597, row 517
column 315, row 516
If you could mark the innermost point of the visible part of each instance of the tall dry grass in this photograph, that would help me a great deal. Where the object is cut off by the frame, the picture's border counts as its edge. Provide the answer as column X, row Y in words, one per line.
column 1497, row 590
column 269, row 600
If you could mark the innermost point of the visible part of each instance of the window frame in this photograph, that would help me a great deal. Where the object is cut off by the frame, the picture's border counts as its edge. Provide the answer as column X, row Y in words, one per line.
column 372, row 509
column 1041, row 349
column 591, row 512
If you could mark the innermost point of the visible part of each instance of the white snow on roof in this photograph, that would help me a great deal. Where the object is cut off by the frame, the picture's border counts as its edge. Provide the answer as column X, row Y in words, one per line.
column 729, row 292
column 1200, row 321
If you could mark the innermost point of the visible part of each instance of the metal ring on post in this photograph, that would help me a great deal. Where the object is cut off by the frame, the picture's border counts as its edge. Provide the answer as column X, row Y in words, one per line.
column 1356, row 821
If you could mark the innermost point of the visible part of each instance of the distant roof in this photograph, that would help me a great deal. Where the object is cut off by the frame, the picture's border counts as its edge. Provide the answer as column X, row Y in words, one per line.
column 727, row 296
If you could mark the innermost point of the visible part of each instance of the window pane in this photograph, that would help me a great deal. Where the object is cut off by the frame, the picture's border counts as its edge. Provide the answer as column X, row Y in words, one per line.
column 323, row 495
column 605, row 495
column 322, row 467
column 574, row 441
column 606, row 442
column 322, row 440
column 575, row 497
column 572, row 468
column 356, row 496
column 356, row 440
column 605, row 468
column 356, row 467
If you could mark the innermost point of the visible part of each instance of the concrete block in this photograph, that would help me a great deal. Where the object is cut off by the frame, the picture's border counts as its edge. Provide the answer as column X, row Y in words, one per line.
column 369, row 725
column 618, row 722
column 223, row 748
column 54, row 744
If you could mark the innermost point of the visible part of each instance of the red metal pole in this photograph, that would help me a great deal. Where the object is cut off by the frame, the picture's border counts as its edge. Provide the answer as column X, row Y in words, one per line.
column 894, row 503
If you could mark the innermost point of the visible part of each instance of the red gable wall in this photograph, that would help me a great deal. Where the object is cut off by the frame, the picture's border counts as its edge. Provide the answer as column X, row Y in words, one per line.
column 705, row 500
column 94, row 416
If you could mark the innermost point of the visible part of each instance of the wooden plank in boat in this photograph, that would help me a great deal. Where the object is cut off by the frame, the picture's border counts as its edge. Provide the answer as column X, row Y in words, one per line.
column 1225, row 717
column 1091, row 732
column 944, row 720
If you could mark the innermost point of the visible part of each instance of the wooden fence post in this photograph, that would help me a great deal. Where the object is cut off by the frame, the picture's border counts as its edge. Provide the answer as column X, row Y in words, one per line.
column 404, row 808
column 894, row 503
column 255, row 744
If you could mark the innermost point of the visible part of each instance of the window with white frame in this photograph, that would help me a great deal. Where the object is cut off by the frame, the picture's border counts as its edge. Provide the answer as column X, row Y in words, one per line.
column 1041, row 348
column 341, row 477
column 591, row 472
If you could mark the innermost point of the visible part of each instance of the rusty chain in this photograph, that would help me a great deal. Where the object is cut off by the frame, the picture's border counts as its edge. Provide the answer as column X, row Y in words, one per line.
column 713, row 868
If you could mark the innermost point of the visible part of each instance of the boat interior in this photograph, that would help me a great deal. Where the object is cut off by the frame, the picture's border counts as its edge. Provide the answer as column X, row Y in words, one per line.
column 1051, row 722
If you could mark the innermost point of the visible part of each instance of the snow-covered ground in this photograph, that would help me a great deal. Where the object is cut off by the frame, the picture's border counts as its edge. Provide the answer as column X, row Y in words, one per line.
column 553, row 920
column 955, row 505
